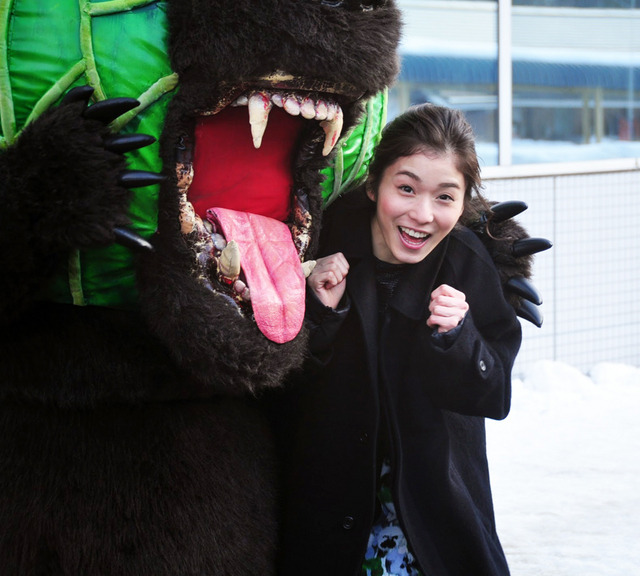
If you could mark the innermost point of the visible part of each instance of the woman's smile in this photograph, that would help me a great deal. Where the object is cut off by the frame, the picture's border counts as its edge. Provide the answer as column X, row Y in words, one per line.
column 413, row 239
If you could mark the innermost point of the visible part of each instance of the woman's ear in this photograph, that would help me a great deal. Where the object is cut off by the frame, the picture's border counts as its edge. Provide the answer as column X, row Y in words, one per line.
column 370, row 193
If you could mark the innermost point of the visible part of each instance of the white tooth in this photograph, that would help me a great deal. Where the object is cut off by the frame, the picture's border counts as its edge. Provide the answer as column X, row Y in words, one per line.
column 308, row 108
column 332, row 130
column 259, row 108
column 219, row 241
column 307, row 267
column 187, row 217
column 241, row 101
column 292, row 106
column 332, row 110
column 321, row 110
column 276, row 98
column 414, row 233
column 242, row 290
column 229, row 261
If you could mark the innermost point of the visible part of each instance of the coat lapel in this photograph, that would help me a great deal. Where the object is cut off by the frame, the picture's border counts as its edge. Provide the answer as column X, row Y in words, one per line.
column 355, row 243
column 362, row 283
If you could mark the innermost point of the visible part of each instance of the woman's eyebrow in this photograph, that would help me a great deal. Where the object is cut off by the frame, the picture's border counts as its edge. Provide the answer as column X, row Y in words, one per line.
column 409, row 174
column 450, row 185
column 417, row 178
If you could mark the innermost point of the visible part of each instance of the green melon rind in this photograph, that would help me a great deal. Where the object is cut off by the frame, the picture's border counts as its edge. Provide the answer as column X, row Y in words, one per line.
column 355, row 152
column 119, row 48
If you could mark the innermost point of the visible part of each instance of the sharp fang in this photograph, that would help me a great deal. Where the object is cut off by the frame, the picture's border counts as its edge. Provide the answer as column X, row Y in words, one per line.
column 229, row 261
column 332, row 130
column 259, row 108
column 307, row 267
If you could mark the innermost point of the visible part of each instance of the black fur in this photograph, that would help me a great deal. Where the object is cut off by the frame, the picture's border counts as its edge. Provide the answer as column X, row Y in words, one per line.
column 48, row 206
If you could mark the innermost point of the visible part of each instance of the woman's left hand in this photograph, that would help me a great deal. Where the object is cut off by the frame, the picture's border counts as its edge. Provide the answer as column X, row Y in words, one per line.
column 448, row 307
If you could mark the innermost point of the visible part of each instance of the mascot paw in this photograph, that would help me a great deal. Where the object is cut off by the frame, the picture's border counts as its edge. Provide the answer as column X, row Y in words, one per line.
column 69, row 174
column 512, row 250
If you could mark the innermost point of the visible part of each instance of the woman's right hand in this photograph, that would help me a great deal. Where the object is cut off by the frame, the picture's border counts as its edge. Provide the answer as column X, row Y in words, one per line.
column 328, row 280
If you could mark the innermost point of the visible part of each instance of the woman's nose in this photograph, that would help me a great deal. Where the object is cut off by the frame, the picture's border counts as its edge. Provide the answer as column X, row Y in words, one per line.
column 423, row 210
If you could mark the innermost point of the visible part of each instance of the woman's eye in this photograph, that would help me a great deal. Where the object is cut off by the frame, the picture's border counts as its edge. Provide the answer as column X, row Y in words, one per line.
column 446, row 197
column 407, row 189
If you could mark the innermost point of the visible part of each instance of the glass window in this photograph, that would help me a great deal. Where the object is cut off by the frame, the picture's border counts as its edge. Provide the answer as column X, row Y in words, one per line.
column 575, row 68
column 450, row 57
column 576, row 80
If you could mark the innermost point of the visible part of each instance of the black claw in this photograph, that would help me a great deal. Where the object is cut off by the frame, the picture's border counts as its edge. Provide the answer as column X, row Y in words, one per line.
column 523, row 288
column 505, row 210
column 77, row 94
column 127, row 142
column 108, row 110
column 131, row 240
column 139, row 178
column 528, row 246
column 529, row 312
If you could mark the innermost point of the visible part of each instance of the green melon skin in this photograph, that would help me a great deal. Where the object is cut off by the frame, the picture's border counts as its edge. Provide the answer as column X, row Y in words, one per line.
column 119, row 47
column 350, row 166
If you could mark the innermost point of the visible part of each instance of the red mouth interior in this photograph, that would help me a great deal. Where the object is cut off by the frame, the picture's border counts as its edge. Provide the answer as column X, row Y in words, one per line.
column 230, row 173
column 411, row 241
column 254, row 186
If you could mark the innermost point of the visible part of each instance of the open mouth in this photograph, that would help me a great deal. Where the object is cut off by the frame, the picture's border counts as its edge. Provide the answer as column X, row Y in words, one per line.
column 244, row 204
column 413, row 238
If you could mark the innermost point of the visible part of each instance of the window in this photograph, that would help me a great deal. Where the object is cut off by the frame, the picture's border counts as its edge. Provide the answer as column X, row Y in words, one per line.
column 574, row 64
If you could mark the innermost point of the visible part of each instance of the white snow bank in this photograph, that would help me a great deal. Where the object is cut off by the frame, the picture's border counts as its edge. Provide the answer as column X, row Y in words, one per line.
column 565, row 470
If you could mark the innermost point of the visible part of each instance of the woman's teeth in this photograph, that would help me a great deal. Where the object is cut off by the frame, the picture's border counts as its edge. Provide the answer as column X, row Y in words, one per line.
column 414, row 233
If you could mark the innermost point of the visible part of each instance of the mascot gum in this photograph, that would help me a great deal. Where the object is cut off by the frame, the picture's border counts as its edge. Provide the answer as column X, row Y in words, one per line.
column 130, row 440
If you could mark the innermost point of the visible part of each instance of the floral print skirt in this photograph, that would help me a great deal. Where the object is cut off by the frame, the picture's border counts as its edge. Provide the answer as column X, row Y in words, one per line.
column 388, row 551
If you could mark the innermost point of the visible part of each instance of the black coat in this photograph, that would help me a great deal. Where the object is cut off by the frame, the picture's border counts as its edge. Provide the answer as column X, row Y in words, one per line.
column 434, row 401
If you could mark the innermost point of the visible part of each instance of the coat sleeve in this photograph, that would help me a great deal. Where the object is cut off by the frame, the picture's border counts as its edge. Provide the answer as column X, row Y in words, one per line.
column 472, row 374
column 323, row 324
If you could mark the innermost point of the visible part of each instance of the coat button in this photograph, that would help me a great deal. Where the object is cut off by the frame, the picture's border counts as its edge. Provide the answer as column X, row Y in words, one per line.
column 482, row 366
column 348, row 522
column 364, row 437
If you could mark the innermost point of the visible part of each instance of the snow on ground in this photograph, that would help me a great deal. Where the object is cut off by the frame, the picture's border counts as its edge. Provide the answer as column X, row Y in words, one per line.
column 565, row 472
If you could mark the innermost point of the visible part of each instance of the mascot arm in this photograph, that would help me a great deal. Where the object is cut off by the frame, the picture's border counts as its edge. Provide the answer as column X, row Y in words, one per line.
column 512, row 250
column 64, row 186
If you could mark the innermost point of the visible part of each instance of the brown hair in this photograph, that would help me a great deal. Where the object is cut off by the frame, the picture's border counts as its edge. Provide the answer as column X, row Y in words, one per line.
column 429, row 128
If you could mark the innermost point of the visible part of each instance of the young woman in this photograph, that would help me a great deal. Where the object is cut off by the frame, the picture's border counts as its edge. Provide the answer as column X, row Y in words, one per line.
column 411, row 347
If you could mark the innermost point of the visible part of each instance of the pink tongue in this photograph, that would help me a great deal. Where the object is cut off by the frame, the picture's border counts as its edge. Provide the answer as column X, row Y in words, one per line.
column 272, row 268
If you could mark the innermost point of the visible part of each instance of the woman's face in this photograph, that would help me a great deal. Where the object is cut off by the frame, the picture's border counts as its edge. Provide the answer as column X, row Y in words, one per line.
column 419, row 201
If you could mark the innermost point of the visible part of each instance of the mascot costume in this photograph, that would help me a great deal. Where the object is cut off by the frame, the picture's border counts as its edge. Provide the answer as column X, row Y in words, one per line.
column 163, row 170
